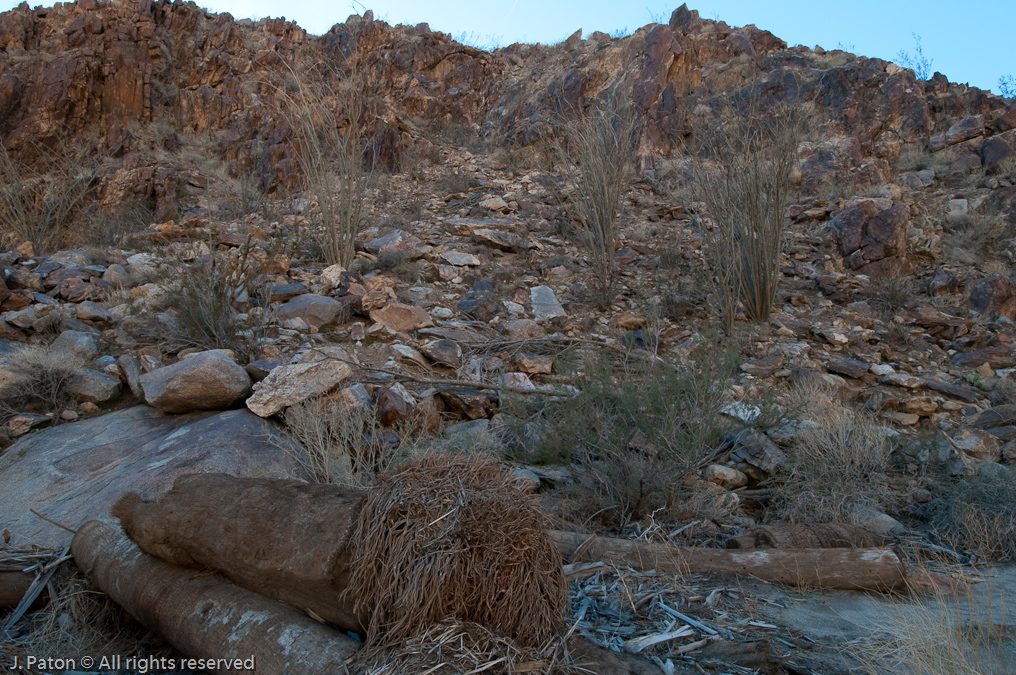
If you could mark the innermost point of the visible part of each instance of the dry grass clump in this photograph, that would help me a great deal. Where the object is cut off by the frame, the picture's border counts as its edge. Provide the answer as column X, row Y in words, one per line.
column 980, row 516
column 103, row 229
column 839, row 464
column 38, row 207
column 453, row 647
column 34, row 374
column 748, row 154
column 342, row 445
column 939, row 635
column 975, row 239
column 890, row 293
column 600, row 158
column 454, row 537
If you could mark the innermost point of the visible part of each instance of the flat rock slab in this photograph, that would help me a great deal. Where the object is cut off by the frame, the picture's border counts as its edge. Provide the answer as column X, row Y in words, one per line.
column 75, row 472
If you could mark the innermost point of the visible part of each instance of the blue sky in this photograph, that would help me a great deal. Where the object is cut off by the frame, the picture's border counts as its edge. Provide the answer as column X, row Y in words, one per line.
column 967, row 43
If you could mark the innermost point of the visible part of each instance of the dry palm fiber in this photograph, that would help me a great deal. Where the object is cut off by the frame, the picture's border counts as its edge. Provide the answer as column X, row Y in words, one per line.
column 455, row 537
column 451, row 647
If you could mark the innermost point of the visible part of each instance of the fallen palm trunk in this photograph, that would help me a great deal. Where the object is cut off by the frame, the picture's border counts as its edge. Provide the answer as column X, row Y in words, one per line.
column 291, row 542
column 442, row 537
column 286, row 540
column 803, row 535
column 862, row 569
column 201, row 615
column 13, row 586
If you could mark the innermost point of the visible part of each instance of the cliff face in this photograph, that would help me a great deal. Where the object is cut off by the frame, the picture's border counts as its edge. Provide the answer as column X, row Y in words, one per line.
column 107, row 73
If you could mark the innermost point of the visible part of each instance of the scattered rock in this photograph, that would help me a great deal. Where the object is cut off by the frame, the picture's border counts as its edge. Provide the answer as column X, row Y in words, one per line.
column 977, row 444
column 876, row 522
column 74, row 345
column 850, row 367
column 460, row 259
column 92, row 386
column 402, row 318
column 725, row 476
column 90, row 311
column 993, row 297
column 445, row 352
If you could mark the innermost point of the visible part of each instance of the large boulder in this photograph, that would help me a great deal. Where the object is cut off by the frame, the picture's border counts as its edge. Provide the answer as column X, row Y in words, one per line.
column 872, row 239
column 74, row 472
column 204, row 381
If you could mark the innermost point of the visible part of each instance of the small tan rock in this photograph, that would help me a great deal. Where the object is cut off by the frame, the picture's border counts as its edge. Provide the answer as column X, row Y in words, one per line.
column 724, row 476
column 402, row 318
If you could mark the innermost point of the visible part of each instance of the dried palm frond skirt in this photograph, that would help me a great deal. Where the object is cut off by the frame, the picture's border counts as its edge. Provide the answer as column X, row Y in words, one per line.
column 455, row 538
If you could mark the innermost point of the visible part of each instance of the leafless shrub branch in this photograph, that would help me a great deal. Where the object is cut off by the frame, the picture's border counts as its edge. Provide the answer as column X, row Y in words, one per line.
column 38, row 207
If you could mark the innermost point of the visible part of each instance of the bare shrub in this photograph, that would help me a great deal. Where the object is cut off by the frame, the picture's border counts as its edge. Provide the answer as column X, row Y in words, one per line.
column 33, row 373
column 326, row 117
column 39, row 207
column 890, row 293
column 206, row 299
column 102, row 229
column 975, row 239
column 599, row 156
column 917, row 62
column 747, row 158
column 837, row 465
column 633, row 432
column 343, row 445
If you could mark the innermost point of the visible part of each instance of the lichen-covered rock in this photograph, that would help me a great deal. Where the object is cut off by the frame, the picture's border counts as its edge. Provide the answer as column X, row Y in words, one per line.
column 289, row 385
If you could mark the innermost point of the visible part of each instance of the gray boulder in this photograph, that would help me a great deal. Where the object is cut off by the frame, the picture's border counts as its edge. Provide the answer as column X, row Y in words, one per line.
column 93, row 386
column 74, row 472
column 315, row 310
column 74, row 345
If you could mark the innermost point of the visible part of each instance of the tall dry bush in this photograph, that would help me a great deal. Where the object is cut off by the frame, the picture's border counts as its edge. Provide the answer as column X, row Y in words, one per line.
column 325, row 109
column 343, row 444
column 599, row 153
column 743, row 172
column 38, row 206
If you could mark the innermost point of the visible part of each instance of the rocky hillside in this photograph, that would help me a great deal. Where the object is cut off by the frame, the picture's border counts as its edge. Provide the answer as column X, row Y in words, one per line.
column 878, row 397
column 106, row 73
